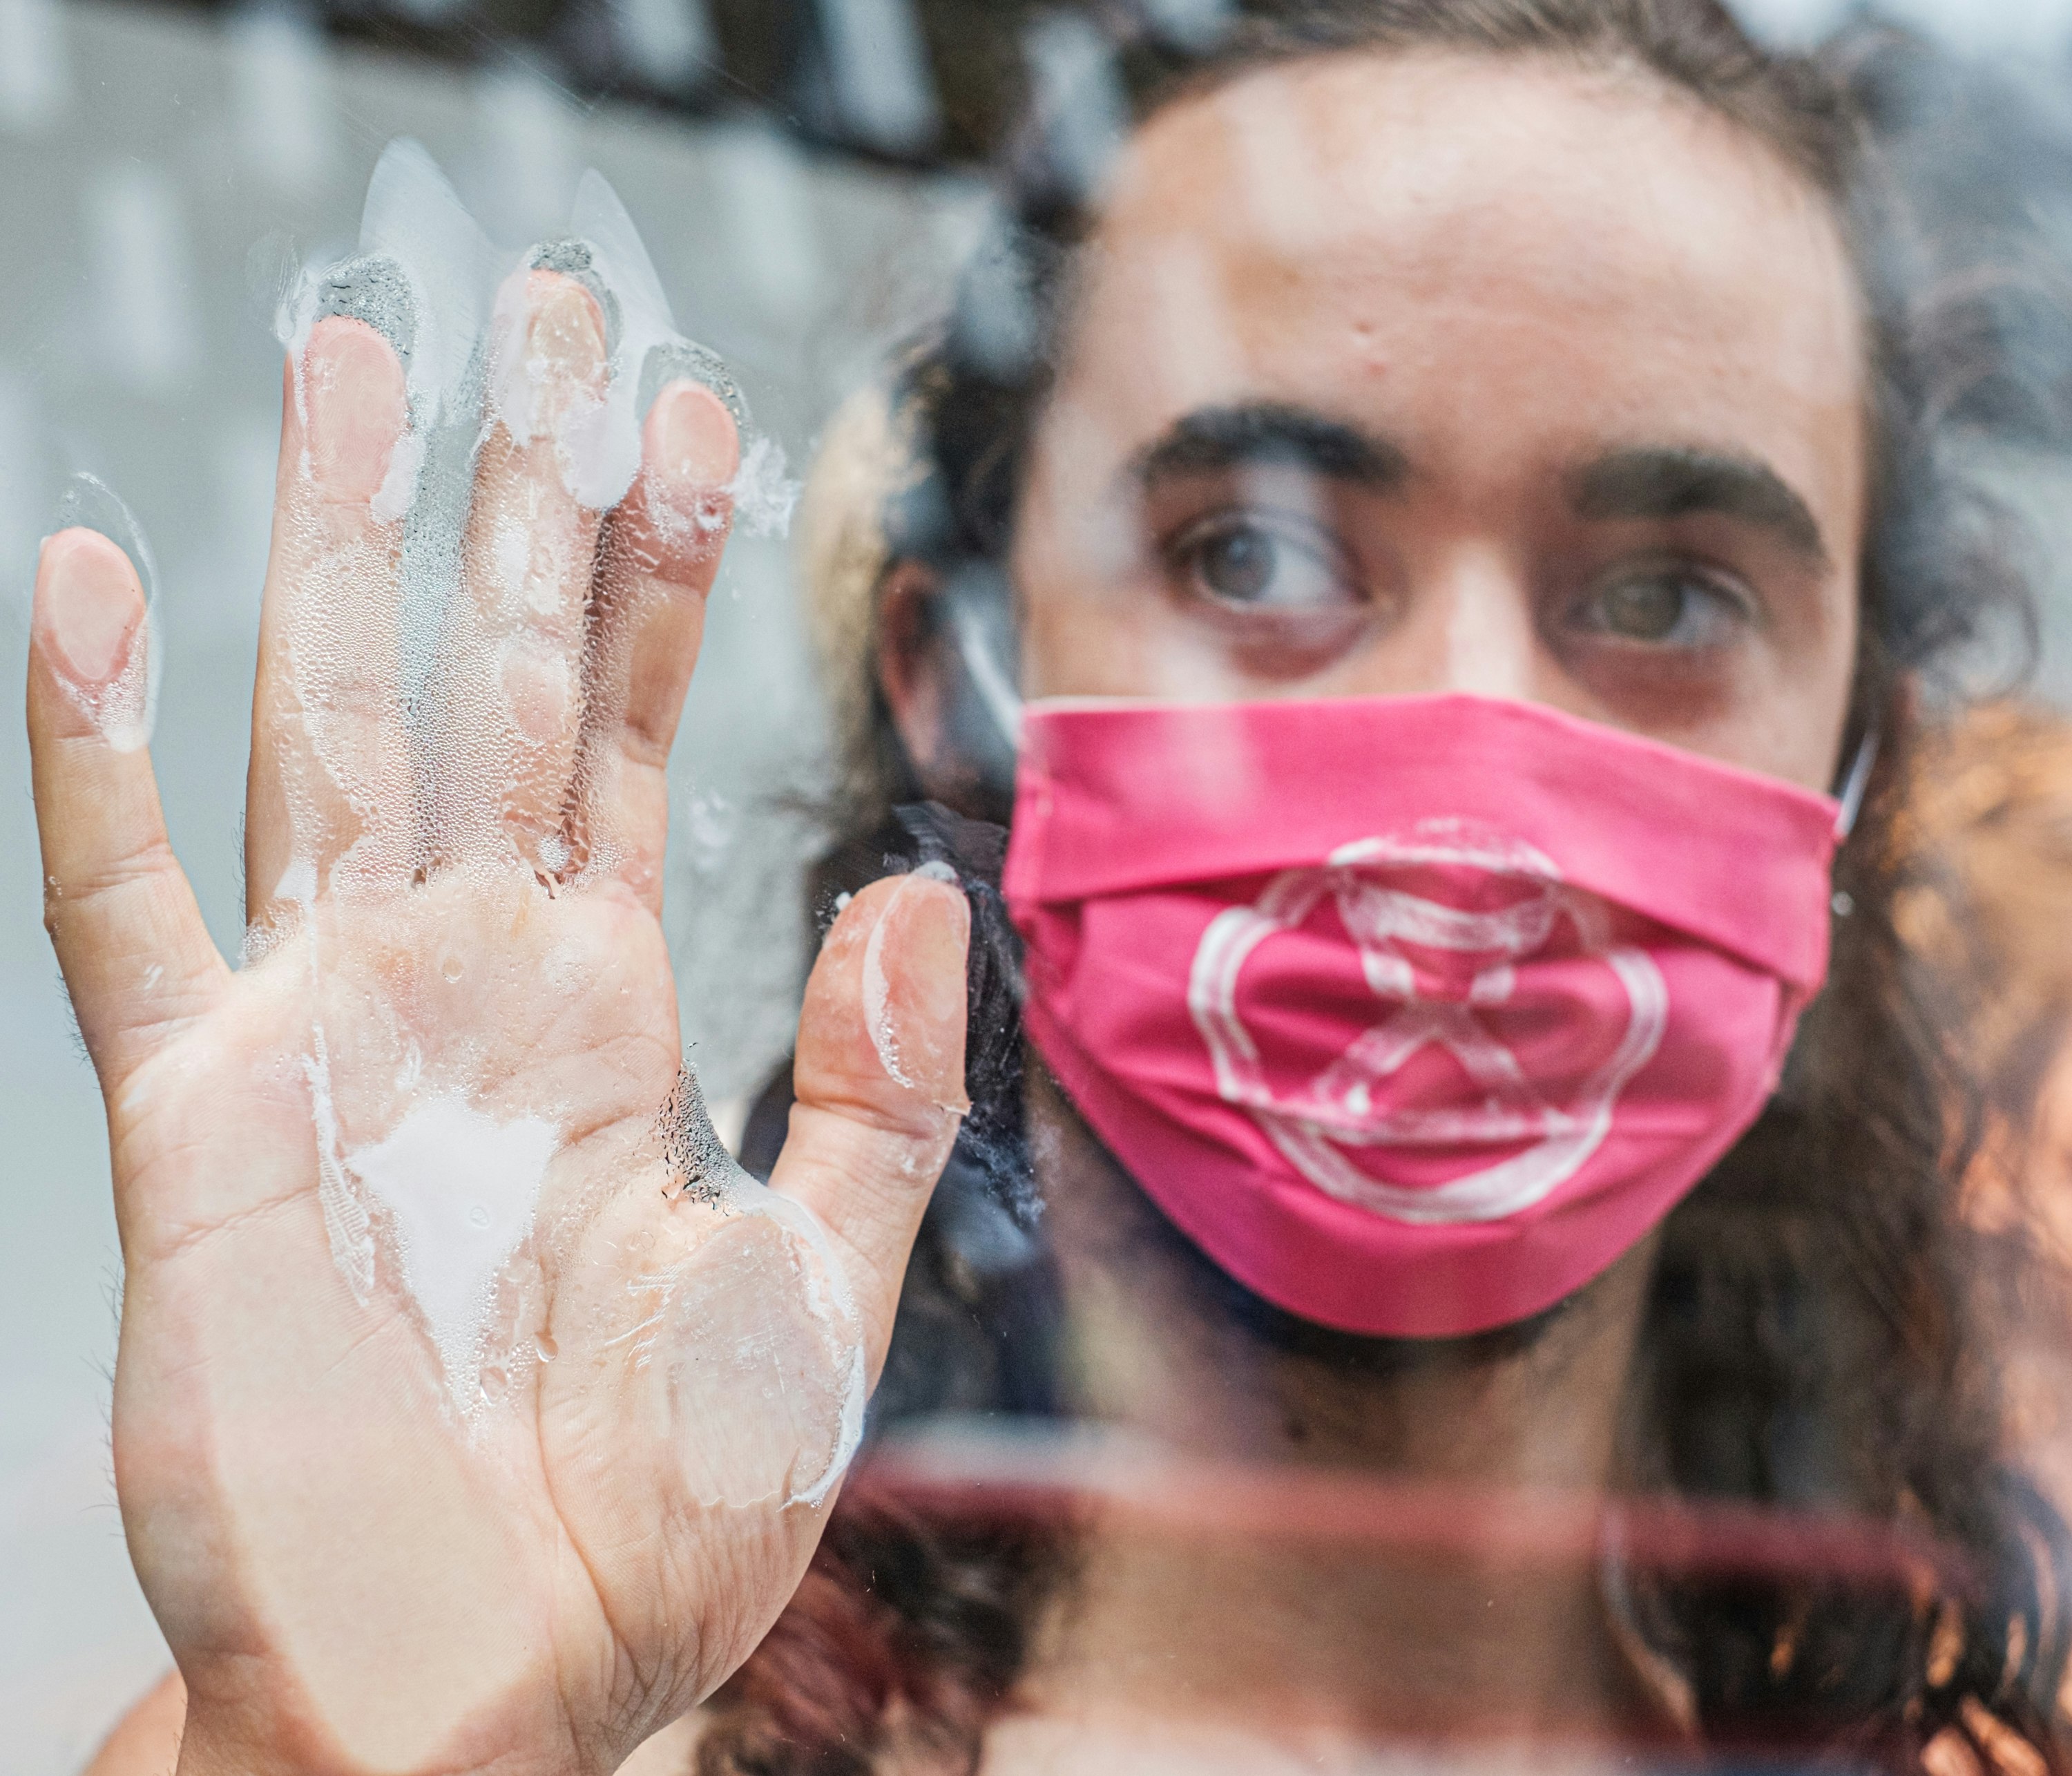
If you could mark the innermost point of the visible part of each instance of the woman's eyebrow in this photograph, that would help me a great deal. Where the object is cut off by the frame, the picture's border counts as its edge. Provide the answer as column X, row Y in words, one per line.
column 1678, row 481
column 1269, row 435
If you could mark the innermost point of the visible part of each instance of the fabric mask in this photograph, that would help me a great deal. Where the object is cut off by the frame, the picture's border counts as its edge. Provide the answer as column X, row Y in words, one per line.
column 1414, row 1014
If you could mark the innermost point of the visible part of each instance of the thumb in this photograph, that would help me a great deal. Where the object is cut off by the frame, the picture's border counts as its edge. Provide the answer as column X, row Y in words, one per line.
column 879, row 1082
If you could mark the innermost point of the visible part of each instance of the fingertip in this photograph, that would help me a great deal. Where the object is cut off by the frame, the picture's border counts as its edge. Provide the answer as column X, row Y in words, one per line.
column 913, row 982
column 689, row 443
column 856, row 916
column 89, row 604
column 564, row 324
column 346, row 343
column 937, row 934
column 929, row 894
column 63, row 547
column 357, row 402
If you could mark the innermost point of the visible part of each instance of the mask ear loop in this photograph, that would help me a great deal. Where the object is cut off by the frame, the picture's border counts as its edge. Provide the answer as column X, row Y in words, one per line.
column 1002, row 702
column 1858, row 784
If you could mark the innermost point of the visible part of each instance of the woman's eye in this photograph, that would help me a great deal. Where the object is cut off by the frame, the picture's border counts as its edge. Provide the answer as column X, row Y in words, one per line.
column 1665, row 607
column 1256, row 565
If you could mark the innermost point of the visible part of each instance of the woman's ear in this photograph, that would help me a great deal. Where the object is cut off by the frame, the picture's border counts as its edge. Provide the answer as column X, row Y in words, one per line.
column 910, row 665
column 957, row 740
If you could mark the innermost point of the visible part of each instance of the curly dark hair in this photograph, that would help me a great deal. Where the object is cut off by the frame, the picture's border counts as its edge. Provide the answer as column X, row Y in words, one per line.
column 1818, row 1332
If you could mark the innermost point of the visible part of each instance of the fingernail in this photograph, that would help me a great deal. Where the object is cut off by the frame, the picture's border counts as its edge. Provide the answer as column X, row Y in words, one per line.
column 575, row 259
column 696, row 449
column 680, row 360
column 354, row 394
column 91, row 608
column 930, row 924
column 373, row 288
column 566, row 333
column 940, row 931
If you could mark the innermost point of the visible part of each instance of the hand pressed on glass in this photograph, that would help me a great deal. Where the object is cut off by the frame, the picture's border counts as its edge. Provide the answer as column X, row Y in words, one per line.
column 470, row 1405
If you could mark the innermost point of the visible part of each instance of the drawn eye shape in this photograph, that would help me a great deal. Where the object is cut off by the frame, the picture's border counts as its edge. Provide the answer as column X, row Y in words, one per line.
column 1664, row 606
column 1247, row 561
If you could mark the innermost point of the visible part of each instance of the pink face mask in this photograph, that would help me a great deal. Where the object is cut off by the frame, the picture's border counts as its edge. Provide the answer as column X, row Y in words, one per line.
column 1414, row 1014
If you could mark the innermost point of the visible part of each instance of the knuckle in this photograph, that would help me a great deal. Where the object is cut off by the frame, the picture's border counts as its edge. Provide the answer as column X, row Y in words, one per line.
column 141, row 865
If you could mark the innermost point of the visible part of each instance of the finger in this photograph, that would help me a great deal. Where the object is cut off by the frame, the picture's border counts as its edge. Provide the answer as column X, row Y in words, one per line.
column 137, row 959
column 879, row 1082
column 508, row 698
column 329, row 776
column 660, row 551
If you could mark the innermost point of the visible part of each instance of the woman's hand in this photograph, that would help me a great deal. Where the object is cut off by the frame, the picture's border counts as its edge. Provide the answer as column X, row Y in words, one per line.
column 472, row 1408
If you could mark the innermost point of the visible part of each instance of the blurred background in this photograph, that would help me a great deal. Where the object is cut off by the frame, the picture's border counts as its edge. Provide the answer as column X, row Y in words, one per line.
column 808, row 175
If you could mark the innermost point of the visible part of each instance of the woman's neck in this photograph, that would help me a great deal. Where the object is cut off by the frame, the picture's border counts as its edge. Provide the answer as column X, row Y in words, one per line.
column 1281, row 1637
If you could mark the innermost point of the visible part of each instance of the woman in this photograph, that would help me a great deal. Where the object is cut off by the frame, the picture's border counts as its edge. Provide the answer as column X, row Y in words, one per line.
column 1477, row 440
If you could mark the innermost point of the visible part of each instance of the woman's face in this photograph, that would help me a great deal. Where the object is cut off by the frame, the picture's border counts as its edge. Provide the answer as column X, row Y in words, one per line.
column 1403, row 374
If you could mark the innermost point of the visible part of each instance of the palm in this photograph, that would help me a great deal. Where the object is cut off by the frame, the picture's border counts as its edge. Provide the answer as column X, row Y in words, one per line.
column 469, row 1403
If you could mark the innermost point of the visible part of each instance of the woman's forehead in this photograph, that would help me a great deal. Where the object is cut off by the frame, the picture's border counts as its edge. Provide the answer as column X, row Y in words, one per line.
column 1448, row 236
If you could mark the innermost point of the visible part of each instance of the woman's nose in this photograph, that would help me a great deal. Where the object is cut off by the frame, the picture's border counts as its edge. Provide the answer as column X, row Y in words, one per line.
column 1492, row 642
column 1469, row 627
